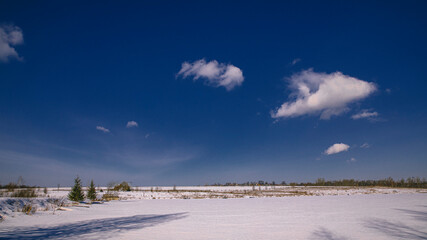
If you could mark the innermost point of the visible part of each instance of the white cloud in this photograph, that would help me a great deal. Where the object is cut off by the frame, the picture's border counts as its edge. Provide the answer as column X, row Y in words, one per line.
column 103, row 129
column 322, row 93
column 295, row 61
column 365, row 114
column 337, row 148
column 131, row 124
column 10, row 36
column 352, row 160
column 365, row 145
column 216, row 74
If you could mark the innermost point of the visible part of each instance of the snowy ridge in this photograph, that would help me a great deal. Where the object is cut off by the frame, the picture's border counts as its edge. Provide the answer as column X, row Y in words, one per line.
column 14, row 206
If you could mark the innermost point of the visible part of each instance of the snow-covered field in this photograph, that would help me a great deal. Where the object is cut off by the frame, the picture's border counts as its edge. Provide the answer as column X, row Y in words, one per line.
column 196, row 192
column 304, row 213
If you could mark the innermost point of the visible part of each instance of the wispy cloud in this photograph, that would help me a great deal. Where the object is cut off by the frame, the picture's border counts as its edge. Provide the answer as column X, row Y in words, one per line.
column 352, row 160
column 136, row 157
column 41, row 169
column 49, row 164
column 365, row 145
column 103, row 129
column 365, row 114
column 131, row 124
column 295, row 61
column 322, row 93
column 10, row 35
column 216, row 74
column 122, row 156
column 337, row 148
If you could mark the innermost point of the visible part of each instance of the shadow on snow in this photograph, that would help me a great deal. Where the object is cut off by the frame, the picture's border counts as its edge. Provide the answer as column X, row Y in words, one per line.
column 396, row 229
column 116, row 225
column 393, row 229
column 418, row 215
column 323, row 233
column 399, row 229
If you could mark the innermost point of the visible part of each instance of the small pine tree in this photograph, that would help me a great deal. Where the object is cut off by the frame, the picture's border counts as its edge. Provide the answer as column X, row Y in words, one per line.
column 91, row 193
column 76, row 193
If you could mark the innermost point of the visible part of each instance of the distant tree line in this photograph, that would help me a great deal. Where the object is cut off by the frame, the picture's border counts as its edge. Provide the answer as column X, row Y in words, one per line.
column 412, row 182
column 19, row 184
column 12, row 186
column 259, row 183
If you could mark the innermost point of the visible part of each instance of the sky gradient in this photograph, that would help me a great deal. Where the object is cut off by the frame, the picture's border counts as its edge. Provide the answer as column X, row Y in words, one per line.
column 195, row 92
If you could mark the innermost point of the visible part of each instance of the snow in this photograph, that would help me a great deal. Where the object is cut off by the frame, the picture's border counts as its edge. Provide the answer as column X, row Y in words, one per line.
column 331, row 213
column 199, row 192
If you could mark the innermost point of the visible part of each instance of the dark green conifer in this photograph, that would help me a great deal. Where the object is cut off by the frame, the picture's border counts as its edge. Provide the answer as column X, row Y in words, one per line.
column 76, row 193
column 91, row 192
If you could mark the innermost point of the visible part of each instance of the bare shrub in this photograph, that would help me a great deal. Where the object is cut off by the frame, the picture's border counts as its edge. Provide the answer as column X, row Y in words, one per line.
column 25, row 193
column 28, row 209
column 110, row 196
column 11, row 187
column 124, row 186
column 110, row 186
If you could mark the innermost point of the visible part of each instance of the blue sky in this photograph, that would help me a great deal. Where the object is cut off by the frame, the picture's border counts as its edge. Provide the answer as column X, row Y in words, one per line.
column 212, row 91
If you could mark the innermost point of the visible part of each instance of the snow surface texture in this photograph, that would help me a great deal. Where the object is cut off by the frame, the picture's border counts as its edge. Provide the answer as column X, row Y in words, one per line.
column 402, row 215
column 55, row 197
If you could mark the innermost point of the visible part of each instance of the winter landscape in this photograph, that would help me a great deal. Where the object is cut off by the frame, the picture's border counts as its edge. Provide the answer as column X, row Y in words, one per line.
column 213, row 119
column 268, row 212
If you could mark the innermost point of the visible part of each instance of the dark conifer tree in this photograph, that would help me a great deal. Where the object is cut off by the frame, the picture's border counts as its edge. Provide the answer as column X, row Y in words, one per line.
column 91, row 193
column 76, row 193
